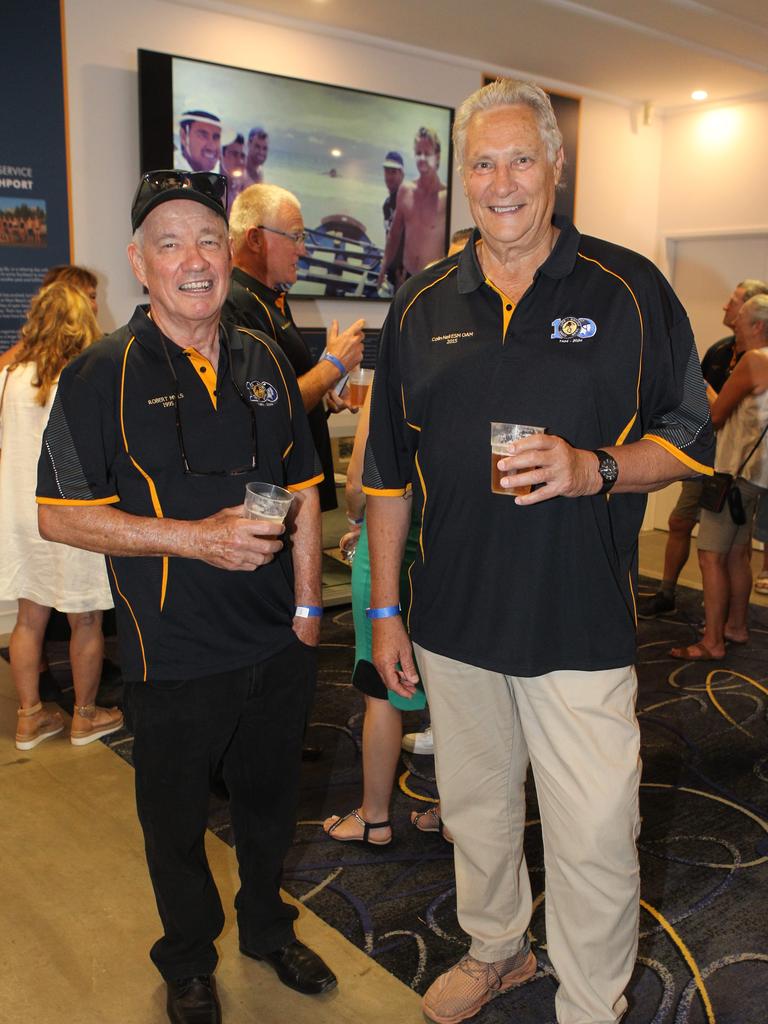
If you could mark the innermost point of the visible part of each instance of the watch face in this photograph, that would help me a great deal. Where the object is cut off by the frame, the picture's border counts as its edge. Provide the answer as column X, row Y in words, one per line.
column 607, row 468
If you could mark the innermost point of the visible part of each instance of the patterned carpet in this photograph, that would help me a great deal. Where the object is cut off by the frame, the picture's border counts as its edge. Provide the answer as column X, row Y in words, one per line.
column 703, row 956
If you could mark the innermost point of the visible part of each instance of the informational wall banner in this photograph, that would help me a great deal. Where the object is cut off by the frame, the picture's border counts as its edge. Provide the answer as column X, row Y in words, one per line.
column 34, row 200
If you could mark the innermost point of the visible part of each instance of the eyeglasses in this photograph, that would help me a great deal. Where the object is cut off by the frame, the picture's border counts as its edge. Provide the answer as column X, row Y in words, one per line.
column 188, row 470
column 297, row 237
column 207, row 183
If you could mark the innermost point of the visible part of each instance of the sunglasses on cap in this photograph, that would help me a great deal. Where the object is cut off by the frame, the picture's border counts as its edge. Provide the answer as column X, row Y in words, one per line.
column 156, row 187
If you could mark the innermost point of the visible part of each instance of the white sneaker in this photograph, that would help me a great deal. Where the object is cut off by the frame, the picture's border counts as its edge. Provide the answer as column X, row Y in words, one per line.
column 419, row 742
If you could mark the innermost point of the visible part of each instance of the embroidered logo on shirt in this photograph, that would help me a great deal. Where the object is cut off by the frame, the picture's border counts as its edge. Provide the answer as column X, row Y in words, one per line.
column 261, row 392
column 451, row 339
column 573, row 328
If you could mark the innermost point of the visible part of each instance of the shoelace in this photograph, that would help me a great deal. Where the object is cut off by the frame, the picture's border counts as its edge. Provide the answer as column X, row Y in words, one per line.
column 479, row 971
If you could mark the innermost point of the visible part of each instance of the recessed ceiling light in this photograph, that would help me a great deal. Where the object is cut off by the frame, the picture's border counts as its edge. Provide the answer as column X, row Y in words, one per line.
column 336, row 152
column 699, row 94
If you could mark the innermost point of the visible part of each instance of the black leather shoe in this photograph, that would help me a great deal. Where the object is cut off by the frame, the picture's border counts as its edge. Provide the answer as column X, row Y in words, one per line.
column 298, row 967
column 193, row 1001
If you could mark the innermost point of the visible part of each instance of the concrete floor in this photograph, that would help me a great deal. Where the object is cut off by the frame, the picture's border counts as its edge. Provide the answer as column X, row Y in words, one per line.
column 79, row 915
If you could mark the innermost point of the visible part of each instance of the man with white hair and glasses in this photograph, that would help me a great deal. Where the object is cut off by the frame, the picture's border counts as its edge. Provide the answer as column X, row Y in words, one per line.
column 523, row 601
column 267, row 232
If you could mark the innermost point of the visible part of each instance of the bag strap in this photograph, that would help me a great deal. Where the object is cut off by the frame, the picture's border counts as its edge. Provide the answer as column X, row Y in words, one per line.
column 2, row 393
column 754, row 449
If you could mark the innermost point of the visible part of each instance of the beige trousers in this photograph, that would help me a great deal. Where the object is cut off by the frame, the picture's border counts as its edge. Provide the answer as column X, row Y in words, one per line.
column 580, row 734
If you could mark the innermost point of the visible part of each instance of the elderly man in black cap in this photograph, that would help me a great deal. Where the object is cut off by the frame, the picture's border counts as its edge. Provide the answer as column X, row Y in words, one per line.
column 155, row 433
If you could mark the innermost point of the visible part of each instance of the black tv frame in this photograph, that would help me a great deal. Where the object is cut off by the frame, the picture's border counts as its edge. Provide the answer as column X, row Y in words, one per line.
column 334, row 252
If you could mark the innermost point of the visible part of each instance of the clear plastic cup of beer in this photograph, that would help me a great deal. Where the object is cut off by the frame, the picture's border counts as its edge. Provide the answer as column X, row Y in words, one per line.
column 360, row 380
column 503, row 436
column 266, row 501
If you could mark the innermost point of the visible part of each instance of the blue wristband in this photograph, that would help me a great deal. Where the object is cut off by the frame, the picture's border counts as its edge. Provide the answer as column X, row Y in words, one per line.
column 308, row 611
column 336, row 362
column 383, row 613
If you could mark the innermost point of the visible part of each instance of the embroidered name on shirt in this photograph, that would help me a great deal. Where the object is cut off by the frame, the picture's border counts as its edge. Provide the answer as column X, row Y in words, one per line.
column 451, row 339
column 261, row 392
column 167, row 401
column 573, row 328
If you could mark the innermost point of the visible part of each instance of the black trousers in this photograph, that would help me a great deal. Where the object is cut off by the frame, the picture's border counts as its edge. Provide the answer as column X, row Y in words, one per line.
column 249, row 723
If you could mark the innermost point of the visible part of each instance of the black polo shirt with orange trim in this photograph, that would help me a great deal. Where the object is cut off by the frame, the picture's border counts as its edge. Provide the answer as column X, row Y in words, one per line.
column 253, row 304
column 112, row 439
column 599, row 351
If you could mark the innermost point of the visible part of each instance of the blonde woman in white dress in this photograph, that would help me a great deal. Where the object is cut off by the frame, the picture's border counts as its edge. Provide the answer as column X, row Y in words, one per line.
column 38, row 574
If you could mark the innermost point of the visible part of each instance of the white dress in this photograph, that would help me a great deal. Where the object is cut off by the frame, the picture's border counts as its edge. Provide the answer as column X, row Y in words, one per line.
column 52, row 575
column 740, row 432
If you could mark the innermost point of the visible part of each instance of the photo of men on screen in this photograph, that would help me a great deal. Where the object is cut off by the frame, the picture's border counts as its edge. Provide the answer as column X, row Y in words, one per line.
column 330, row 147
column 199, row 141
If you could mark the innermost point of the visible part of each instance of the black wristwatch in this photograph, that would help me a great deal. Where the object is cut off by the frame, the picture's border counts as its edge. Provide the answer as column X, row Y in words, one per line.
column 608, row 468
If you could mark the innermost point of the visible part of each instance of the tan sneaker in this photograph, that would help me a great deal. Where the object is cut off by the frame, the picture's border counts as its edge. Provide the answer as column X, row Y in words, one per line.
column 465, row 989
column 36, row 724
column 90, row 723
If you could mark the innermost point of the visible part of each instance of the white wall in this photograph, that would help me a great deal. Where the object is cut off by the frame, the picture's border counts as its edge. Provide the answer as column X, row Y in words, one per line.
column 618, row 182
column 713, row 169
column 712, row 217
column 618, row 165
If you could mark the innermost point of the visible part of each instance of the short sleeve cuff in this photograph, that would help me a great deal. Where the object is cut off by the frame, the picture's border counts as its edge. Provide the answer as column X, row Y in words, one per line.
column 111, row 500
column 686, row 459
column 313, row 482
column 385, row 492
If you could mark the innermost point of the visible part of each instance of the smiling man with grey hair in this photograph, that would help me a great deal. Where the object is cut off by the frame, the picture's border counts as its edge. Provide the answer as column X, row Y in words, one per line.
column 527, row 656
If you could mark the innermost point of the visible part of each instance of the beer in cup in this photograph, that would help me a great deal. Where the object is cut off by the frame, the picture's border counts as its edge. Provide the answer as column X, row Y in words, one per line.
column 359, row 381
column 503, row 436
column 266, row 501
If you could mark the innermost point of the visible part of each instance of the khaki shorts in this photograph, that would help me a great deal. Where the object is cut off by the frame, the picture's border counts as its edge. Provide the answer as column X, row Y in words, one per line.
column 761, row 519
column 687, row 506
column 718, row 532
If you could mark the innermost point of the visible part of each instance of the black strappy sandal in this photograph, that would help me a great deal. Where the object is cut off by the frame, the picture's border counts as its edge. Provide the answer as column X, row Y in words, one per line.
column 367, row 828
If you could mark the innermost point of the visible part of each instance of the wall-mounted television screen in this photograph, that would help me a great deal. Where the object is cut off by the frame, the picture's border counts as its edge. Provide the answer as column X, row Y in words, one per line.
column 350, row 157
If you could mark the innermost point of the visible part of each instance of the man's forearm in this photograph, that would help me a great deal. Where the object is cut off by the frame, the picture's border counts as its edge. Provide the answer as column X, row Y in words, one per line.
column 315, row 382
column 388, row 522
column 646, row 466
column 110, row 531
column 225, row 539
column 305, row 531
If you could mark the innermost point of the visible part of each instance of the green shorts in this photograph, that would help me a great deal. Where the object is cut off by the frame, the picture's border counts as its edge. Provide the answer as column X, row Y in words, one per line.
column 365, row 676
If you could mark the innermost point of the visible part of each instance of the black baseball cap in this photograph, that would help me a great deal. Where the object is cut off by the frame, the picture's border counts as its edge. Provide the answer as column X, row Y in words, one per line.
column 158, row 187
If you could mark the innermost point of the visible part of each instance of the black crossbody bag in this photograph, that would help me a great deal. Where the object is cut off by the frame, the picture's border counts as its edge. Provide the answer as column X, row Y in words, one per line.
column 718, row 488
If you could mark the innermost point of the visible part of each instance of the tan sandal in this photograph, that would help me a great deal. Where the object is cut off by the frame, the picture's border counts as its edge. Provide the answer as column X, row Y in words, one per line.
column 430, row 821
column 91, row 723
column 35, row 724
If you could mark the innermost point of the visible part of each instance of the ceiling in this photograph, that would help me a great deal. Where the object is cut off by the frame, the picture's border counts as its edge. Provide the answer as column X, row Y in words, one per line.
column 630, row 51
